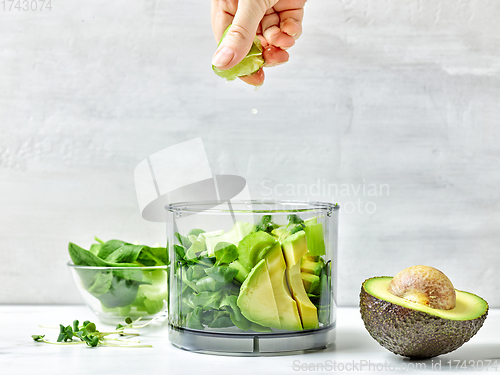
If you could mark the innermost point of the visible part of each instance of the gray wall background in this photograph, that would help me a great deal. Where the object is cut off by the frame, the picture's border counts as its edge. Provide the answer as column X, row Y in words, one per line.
column 399, row 98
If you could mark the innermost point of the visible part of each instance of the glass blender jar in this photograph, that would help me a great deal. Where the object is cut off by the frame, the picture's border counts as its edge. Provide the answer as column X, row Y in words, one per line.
column 252, row 277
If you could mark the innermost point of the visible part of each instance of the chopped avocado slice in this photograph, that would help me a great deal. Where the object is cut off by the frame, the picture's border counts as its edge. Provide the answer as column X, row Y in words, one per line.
column 234, row 236
column 242, row 271
column 294, row 248
column 254, row 247
column 312, row 258
column 307, row 310
column 315, row 239
column 415, row 330
column 256, row 299
column 280, row 233
column 311, row 266
column 311, row 282
column 250, row 64
column 287, row 307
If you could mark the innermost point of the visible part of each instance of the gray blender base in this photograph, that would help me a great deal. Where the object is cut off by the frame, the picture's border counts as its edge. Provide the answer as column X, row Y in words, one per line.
column 251, row 344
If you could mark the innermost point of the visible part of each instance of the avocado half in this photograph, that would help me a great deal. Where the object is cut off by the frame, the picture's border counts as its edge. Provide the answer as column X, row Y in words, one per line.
column 414, row 330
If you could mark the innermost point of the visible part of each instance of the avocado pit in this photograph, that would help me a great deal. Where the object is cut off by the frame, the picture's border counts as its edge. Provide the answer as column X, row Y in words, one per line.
column 424, row 285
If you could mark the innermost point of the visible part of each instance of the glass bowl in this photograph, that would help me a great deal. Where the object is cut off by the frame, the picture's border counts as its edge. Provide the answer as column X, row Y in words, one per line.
column 113, row 293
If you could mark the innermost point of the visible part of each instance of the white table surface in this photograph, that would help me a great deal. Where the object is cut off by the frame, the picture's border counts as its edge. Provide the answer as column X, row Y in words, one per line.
column 19, row 354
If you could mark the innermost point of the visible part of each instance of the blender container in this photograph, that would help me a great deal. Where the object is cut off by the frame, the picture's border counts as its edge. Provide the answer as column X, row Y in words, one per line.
column 252, row 277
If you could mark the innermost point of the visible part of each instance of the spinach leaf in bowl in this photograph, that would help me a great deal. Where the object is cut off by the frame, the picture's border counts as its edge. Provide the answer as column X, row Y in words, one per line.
column 116, row 287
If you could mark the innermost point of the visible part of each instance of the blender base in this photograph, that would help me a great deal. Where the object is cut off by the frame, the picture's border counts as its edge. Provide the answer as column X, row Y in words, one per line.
column 257, row 344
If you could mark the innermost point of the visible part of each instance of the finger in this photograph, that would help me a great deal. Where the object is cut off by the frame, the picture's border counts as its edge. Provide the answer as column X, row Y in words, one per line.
column 274, row 56
column 263, row 41
column 270, row 20
column 273, row 33
column 291, row 13
column 222, row 13
column 255, row 79
column 291, row 22
column 240, row 35
column 259, row 29
column 278, row 38
column 283, row 5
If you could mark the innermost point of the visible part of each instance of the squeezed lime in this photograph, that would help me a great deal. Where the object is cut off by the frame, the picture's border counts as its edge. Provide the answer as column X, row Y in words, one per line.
column 252, row 62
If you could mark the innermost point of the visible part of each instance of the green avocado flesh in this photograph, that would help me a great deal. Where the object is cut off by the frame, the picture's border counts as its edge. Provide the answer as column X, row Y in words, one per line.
column 417, row 331
column 294, row 248
column 256, row 299
column 254, row 277
column 275, row 288
column 254, row 247
column 287, row 307
column 468, row 306
column 310, row 266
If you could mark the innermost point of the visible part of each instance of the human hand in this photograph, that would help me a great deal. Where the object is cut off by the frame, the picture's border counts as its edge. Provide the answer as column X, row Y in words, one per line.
column 277, row 23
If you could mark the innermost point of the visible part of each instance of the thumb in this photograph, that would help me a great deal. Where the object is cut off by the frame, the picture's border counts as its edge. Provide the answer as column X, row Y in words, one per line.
column 241, row 34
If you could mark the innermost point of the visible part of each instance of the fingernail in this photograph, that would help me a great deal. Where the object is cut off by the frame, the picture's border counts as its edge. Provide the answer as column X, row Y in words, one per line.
column 223, row 57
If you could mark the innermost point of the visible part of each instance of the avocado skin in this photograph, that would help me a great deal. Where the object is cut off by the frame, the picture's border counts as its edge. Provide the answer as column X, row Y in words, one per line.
column 412, row 333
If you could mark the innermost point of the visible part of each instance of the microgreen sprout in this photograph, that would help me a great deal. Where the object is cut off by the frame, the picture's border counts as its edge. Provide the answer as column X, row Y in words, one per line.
column 88, row 334
column 265, row 224
column 297, row 222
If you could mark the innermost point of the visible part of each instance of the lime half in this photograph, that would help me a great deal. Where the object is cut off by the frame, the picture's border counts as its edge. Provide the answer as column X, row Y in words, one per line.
column 252, row 62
